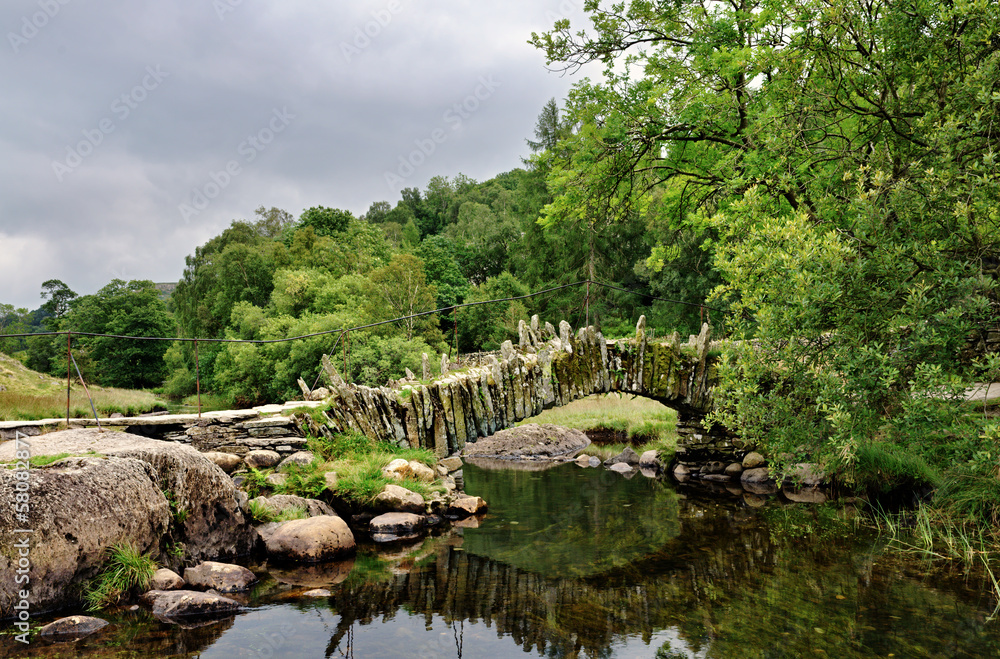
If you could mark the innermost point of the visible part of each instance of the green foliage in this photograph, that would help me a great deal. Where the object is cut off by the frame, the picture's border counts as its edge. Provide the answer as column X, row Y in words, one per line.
column 326, row 221
column 486, row 326
column 178, row 511
column 254, row 483
column 126, row 572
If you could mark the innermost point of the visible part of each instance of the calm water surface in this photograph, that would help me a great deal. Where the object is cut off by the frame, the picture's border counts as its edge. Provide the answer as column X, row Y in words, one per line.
column 577, row 562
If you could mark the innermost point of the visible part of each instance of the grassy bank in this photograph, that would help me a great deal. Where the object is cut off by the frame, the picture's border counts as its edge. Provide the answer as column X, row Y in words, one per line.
column 642, row 423
column 27, row 395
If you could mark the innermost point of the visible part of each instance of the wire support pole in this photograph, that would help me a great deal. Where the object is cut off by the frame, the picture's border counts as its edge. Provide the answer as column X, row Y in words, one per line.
column 86, row 391
column 197, row 376
column 69, row 356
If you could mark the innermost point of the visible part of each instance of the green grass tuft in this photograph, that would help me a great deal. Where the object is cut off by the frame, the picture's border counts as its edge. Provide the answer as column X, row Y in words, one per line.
column 126, row 572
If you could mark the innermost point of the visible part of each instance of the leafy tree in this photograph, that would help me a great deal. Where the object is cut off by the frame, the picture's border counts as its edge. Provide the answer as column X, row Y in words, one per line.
column 843, row 153
column 325, row 221
column 401, row 289
column 57, row 296
column 486, row 326
column 131, row 308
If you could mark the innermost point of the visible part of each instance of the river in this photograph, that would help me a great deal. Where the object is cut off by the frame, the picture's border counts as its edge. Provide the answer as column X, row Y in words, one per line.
column 574, row 562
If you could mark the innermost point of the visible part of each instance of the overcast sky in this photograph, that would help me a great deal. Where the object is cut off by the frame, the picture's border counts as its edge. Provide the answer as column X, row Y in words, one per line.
column 132, row 132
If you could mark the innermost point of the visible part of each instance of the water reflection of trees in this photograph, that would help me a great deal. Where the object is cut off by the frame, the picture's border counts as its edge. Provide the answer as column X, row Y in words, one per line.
column 726, row 584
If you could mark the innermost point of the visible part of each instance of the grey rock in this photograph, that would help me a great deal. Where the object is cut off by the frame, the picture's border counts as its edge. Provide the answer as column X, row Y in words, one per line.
column 756, row 475
column 627, row 456
column 809, row 475
column 465, row 506
column 530, row 441
column 227, row 462
column 621, row 468
column 164, row 579
column 734, row 469
column 453, row 463
column 221, row 577
column 650, row 459
column 278, row 503
column 174, row 605
column 86, row 504
column 753, row 459
column 396, row 498
column 261, row 459
column 311, row 540
column 72, row 628
column 300, row 458
column 391, row 527
column 276, row 480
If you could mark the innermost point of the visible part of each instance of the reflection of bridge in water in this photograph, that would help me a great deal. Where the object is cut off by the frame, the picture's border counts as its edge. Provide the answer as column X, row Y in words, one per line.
column 724, row 586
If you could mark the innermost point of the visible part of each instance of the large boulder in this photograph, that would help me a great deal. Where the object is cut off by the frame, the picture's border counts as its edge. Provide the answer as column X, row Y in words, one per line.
column 310, row 540
column 80, row 507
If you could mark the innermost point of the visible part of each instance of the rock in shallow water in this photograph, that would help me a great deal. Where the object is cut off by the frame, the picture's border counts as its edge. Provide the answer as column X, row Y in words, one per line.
column 392, row 527
column 173, row 605
column 222, row 577
column 628, row 457
column 532, row 440
column 312, row 540
column 72, row 628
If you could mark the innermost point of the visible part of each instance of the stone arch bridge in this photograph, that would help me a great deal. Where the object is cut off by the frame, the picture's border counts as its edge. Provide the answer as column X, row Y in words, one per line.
column 548, row 368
